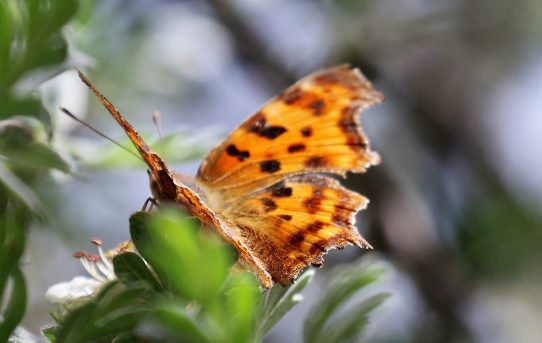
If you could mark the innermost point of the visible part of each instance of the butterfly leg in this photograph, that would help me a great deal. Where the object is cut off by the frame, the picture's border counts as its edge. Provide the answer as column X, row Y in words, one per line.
column 149, row 204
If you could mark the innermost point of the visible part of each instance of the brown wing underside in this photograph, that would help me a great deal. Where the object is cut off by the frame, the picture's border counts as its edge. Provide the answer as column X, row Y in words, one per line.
column 293, row 223
column 311, row 127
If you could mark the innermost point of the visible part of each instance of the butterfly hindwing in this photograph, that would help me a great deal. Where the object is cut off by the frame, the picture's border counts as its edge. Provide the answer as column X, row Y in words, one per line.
column 310, row 127
column 294, row 222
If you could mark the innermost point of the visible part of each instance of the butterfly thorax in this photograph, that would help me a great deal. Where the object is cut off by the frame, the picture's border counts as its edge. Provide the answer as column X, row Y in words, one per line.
column 182, row 190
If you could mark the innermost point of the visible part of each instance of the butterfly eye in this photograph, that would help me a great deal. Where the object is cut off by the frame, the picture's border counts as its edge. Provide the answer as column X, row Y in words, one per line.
column 149, row 172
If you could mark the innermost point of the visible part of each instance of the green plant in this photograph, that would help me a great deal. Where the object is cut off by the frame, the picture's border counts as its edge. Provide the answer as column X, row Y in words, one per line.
column 31, row 44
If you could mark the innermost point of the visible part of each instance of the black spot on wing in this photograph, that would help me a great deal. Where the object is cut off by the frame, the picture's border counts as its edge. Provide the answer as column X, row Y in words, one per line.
column 240, row 154
column 318, row 247
column 270, row 166
column 317, row 107
column 315, row 162
column 282, row 192
column 296, row 147
column 315, row 227
column 260, row 127
column 269, row 204
column 286, row 217
column 306, row 131
column 291, row 95
column 313, row 203
column 297, row 239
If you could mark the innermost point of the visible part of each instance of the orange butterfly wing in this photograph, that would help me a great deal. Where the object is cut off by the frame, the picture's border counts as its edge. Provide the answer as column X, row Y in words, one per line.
column 311, row 127
column 293, row 223
column 256, row 182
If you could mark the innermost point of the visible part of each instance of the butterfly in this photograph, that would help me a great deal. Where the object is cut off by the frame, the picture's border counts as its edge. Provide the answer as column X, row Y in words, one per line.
column 262, row 188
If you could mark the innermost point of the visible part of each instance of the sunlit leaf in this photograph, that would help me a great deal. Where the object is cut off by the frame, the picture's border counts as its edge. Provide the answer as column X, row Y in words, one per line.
column 175, row 148
column 184, row 262
column 49, row 333
column 241, row 307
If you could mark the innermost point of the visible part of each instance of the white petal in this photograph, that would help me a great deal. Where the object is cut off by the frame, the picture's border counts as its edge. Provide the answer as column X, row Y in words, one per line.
column 77, row 288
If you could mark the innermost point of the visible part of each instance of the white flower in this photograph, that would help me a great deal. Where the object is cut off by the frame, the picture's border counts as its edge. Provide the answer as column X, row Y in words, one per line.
column 79, row 287
column 82, row 287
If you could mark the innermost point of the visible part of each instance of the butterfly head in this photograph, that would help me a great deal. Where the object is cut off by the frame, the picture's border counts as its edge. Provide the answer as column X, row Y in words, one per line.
column 163, row 186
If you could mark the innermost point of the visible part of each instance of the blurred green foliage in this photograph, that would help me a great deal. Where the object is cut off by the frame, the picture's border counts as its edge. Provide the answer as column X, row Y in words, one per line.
column 181, row 289
column 500, row 238
column 32, row 47
column 178, row 147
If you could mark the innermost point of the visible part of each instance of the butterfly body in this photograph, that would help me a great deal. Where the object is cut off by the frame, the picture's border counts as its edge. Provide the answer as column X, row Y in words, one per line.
column 262, row 188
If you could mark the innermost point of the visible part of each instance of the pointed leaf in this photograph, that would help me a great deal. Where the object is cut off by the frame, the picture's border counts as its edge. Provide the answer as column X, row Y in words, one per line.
column 21, row 191
column 184, row 261
column 279, row 300
column 130, row 268
column 349, row 326
column 49, row 333
column 343, row 286
column 180, row 324
column 240, row 307
column 16, row 303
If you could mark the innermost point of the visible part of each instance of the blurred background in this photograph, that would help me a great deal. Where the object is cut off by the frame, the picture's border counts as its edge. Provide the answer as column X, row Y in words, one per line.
column 455, row 206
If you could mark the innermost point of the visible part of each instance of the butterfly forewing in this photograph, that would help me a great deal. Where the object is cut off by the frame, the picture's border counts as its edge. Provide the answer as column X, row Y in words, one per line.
column 310, row 127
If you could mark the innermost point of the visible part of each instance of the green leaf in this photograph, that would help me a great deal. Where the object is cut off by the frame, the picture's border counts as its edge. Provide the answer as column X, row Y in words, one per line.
column 130, row 268
column 24, row 107
column 53, row 51
column 12, row 241
column 115, row 311
column 495, row 219
column 49, row 333
column 20, row 144
column 175, row 148
column 180, row 324
column 63, row 11
column 240, row 307
column 349, row 326
column 345, row 283
column 185, row 262
column 5, row 40
column 279, row 300
column 16, row 303
column 21, row 191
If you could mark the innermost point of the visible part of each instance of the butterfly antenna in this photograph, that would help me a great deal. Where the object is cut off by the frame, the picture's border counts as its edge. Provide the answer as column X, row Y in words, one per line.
column 152, row 160
column 157, row 120
column 88, row 126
